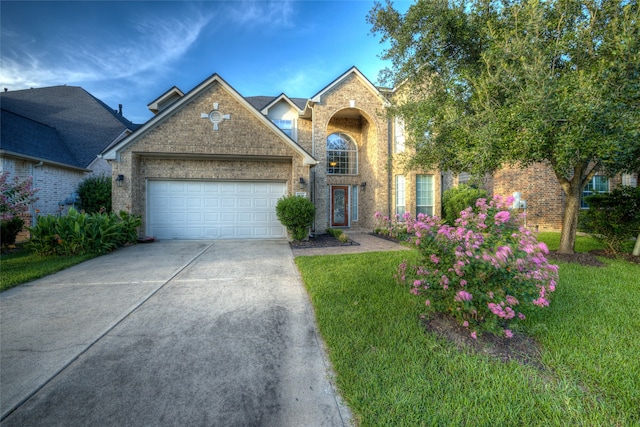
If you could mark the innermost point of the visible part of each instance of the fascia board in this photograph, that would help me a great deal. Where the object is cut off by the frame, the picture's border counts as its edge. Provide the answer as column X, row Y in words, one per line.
column 19, row 156
column 279, row 98
column 318, row 97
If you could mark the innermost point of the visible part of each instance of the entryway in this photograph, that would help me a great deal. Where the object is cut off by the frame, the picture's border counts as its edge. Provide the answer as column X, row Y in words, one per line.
column 339, row 206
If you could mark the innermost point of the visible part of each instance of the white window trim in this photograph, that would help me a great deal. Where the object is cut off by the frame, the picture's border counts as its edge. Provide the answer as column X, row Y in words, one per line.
column 401, row 193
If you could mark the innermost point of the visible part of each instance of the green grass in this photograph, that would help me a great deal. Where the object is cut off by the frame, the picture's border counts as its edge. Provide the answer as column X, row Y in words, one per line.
column 391, row 372
column 23, row 266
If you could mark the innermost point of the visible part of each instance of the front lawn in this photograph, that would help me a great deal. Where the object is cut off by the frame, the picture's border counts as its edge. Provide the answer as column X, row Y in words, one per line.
column 23, row 266
column 391, row 371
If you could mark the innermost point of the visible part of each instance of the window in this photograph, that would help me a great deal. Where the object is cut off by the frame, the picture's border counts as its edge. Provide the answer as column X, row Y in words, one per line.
column 598, row 184
column 629, row 180
column 398, row 146
column 354, row 203
column 400, row 198
column 424, row 194
column 285, row 125
column 342, row 155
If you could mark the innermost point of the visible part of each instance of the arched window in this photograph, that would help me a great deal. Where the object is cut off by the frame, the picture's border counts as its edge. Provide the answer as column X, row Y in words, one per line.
column 342, row 155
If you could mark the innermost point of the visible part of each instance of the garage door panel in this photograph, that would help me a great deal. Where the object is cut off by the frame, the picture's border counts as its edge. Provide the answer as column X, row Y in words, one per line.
column 214, row 210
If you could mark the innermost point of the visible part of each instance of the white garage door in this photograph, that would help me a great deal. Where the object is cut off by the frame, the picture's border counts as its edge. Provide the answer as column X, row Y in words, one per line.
column 214, row 210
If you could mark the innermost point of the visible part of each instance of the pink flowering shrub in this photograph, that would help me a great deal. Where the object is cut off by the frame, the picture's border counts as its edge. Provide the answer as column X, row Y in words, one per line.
column 482, row 271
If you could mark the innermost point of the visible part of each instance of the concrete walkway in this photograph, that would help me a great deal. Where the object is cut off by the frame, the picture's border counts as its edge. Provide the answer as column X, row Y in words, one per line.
column 168, row 333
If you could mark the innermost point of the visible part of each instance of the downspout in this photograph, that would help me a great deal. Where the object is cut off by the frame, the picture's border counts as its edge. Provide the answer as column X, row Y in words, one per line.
column 390, row 167
column 34, row 217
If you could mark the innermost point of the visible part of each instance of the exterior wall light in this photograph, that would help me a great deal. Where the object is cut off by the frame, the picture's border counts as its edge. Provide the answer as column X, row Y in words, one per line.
column 302, row 183
column 363, row 186
column 119, row 180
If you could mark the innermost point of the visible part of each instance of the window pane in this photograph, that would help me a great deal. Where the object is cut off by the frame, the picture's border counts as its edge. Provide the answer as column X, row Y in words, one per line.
column 398, row 147
column 400, row 195
column 342, row 155
column 354, row 203
column 424, row 194
column 598, row 184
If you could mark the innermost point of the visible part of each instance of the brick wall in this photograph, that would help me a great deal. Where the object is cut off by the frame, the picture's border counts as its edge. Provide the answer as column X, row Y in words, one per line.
column 185, row 146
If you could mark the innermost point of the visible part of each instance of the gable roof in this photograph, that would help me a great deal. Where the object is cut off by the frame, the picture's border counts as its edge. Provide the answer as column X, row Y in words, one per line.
column 84, row 125
column 261, row 103
column 353, row 70
column 114, row 152
column 24, row 137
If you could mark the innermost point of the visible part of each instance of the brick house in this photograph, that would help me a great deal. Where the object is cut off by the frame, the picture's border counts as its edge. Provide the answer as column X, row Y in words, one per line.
column 54, row 134
column 212, row 163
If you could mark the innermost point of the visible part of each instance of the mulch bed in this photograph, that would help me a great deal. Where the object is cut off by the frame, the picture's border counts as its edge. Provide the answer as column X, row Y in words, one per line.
column 321, row 241
column 520, row 348
column 590, row 259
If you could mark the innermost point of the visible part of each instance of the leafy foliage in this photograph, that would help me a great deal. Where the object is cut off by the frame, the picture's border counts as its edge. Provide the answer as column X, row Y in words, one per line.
column 83, row 233
column 9, row 229
column 95, row 194
column 484, row 271
column 613, row 218
column 487, row 83
column 16, row 196
column 456, row 199
column 338, row 234
column 296, row 213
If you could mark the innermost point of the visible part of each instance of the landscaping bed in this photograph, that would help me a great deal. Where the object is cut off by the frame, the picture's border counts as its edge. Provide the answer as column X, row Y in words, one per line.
column 321, row 241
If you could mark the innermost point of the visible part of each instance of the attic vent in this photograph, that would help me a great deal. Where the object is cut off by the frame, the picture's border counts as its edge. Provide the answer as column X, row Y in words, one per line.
column 215, row 116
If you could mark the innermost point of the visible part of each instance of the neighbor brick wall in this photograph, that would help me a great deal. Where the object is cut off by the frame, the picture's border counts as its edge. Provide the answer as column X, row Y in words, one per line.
column 539, row 187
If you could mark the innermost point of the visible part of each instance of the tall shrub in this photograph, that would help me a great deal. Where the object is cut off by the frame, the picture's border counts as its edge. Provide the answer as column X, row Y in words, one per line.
column 80, row 233
column 95, row 194
column 483, row 271
column 456, row 199
column 296, row 213
column 16, row 196
column 613, row 218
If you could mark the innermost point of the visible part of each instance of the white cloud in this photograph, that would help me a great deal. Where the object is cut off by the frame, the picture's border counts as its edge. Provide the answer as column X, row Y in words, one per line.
column 269, row 14
column 146, row 47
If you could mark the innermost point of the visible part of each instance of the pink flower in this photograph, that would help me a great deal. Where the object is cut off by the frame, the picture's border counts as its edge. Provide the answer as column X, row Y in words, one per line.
column 512, row 300
column 465, row 324
column 508, row 333
column 502, row 217
column 463, row 296
column 434, row 259
column 463, row 282
column 427, row 303
column 473, row 335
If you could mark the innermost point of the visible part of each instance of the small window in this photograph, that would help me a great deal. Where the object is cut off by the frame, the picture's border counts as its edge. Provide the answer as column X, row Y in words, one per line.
column 598, row 184
column 342, row 155
column 629, row 180
column 354, row 203
column 400, row 196
column 424, row 194
column 285, row 125
column 398, row 146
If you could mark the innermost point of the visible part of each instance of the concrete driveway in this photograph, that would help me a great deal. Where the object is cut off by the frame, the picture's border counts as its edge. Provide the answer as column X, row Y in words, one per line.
column 204, row 333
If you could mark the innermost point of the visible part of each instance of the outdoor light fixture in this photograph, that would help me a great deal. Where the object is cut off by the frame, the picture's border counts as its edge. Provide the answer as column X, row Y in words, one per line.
column 119, row 180
column 363, row 186
column 333, row 164
column 302, row 183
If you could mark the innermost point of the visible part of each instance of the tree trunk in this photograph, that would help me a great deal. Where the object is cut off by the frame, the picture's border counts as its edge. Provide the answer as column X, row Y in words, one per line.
column 570, row 219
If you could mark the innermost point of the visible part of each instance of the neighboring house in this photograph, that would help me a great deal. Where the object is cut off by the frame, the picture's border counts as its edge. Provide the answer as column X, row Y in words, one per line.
column 54, row 135
column 213, row 164
column 540, row 189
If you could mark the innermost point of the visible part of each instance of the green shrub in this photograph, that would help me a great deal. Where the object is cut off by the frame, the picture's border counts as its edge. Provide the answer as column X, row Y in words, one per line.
column 95, row 194
column 613, row 218
column 296, row 213
column 338, row 234
column 457, row 199
column 83, row 233
column 9, row 230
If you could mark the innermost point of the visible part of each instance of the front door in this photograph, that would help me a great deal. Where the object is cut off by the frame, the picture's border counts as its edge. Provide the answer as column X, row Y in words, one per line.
column 340, row 206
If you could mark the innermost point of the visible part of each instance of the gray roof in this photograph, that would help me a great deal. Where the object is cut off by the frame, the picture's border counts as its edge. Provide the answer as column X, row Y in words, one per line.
column 259, row 102
column 65, row 124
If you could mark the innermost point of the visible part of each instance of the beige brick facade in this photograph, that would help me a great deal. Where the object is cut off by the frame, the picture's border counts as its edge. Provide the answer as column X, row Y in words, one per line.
column 179, row 144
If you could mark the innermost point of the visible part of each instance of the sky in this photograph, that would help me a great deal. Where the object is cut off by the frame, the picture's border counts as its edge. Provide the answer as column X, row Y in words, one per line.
column 131, row 52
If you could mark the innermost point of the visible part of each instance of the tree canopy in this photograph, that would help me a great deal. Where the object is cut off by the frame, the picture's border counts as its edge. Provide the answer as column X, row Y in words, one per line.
column 492, row 83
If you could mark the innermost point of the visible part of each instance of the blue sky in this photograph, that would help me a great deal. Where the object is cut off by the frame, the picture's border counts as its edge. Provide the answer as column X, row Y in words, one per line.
column 129, row 53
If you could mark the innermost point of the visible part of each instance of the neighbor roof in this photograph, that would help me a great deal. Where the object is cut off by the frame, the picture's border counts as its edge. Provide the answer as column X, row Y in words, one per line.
column 84, row 125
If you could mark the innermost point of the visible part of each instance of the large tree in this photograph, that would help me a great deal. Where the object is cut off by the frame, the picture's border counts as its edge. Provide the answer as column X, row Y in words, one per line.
column 490, row 83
